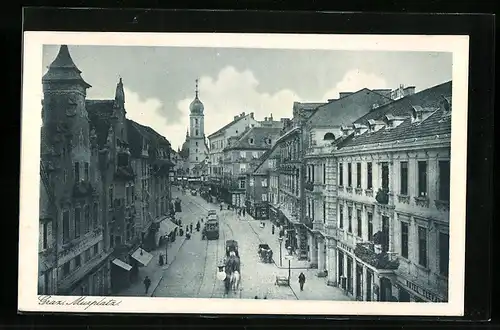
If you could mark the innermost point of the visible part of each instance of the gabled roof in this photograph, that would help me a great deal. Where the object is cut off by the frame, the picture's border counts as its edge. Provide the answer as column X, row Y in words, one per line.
column 259, row 136
column 346, row 110
column 221, row 130
column 436, row 124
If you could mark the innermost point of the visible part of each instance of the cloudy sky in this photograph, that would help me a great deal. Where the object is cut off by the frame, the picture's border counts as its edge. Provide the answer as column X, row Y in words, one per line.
column 160, row 81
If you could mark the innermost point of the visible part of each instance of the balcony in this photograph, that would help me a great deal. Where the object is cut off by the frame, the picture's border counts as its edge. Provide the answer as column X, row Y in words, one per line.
column 404, row 199
column 83, row 188
column 380, row 260
column 369, row 192
column 308, row 186
column 422, row 201
column 442, row 205
column 349, row 190
column 382, row 196
column 358, row 191
column 124, row 173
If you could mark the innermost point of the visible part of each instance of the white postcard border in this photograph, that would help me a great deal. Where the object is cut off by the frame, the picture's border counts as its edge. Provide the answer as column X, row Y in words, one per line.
column 30, row 180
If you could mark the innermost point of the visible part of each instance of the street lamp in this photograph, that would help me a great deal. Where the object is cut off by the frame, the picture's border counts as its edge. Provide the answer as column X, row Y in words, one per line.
column 280, row 239
column 289, row 258
column 166, row 249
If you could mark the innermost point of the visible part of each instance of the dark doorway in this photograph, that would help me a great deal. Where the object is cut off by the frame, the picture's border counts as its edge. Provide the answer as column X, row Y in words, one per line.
column 359, row 282
column 404, row 296
column 349, row 275
column 385, row 289
column 369, row 280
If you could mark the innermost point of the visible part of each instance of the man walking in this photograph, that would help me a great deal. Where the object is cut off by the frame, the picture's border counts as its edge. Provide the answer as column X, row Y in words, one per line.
column 147, row 284
column 302, row 280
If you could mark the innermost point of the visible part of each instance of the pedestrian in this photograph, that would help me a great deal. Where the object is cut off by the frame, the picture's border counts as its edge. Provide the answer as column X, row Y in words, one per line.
column 272, row 229
column 302, row 280
column 244, row 212
column 256, row 297
column 191, row 227
column 147, row 284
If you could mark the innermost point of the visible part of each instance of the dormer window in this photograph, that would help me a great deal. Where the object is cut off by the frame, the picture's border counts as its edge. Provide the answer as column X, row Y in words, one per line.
column 329, row 137
column 268, row 141
column 251, row 141
column 419, row 114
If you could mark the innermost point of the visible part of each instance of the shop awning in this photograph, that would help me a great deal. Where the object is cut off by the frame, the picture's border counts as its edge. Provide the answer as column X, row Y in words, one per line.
column 142, row 256
column 166, row 227
column 122, row 264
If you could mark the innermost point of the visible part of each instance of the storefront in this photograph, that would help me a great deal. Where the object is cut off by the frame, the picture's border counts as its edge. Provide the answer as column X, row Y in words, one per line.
column 260, row 211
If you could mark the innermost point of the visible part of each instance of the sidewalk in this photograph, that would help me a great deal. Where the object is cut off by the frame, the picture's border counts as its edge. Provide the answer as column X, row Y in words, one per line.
column 315, row 288
column 153, row 270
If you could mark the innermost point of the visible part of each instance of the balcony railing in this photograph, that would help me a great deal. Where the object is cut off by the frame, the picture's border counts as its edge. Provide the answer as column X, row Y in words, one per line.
column 380, row 260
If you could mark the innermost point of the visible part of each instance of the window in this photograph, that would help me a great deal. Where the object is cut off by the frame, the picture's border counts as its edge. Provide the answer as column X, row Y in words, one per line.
column 404, row 178
column 341, row 174
column 264, row 197
column 196, row 121
column 243, row 168
column 66, row 269
column 358, row 175
column 86, row 172
column 78, row 261
column 444, row 253
column 369, row 181
column 422, row 246
column 385, row 233
column 255, row 154
column 360, row 224
column 370, row 226
column 77, row 172
column 349, row 175
column 96, row 248
column 242, row 184
column 341, row 216
column 110, row 191
column 242, row 154
column 422, row 178
column 65, row 176
column 324, row 211
column 324, row 173
column 251, row 141
column 196, row 158
column 444, row 180
column 86, row 214
column 349, row 219
column 87, row 255
column 65, row 226
column 264, row 183
column 385, row 176
column 77, row 222
column 45, row 228
column 197, row 132
column 404, row 240
column 196, row 143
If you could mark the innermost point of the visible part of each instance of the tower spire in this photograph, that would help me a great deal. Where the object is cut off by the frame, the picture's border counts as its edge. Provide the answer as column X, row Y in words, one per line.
column 196, row 90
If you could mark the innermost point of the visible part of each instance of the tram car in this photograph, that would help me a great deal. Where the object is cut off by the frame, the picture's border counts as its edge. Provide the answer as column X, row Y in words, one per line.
column 210, row 230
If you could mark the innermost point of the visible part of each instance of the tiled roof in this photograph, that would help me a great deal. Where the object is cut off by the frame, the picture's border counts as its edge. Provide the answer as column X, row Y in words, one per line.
column 259, row 136
column 220, row 130
column 346, row 110
column 438, row 123
column 137, row 131
column 399, row 107
column 100, row 112
column 63, row 68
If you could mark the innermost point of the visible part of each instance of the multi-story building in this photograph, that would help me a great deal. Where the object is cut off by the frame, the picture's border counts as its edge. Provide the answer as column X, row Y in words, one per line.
column 320, row 206
column 239, row 154
column 291, row 178
column 218, row 141
column 73, row 255
column 150, row 154
column 393, row 200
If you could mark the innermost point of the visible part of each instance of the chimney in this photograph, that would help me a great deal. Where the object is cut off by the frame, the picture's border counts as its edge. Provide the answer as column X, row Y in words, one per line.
column 236, row 117
column 344, row 94
column 243, row 114
column 251, row 115
column 410, row 90
column 271, row 118
column 265, row 118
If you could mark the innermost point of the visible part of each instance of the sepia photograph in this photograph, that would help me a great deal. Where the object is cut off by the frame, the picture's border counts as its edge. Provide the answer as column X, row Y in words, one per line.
column 182, row 173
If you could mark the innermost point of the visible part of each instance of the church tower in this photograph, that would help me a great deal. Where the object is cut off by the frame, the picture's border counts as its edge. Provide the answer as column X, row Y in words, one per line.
column 197, row 147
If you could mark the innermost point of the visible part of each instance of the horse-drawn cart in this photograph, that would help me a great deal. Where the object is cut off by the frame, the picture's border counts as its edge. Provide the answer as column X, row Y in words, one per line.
column 282, row 280
column 265, row 253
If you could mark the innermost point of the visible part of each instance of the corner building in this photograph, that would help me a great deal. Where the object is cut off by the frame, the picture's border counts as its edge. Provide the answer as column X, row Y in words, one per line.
column 393, row 200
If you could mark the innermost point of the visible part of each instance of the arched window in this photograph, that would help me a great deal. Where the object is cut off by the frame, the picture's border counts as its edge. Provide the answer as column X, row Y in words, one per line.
column 329, row 136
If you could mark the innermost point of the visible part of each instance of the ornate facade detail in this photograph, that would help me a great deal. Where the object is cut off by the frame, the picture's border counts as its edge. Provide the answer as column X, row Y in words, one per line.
column 349, row 190
column 442, row 205
column 404, row 199
column 359, row 191
column 422, row 201
column 369, row 192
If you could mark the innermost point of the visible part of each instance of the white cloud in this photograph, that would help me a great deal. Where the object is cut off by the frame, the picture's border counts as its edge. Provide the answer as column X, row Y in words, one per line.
column 231, row 93
column 147, row 112
column 353, row 81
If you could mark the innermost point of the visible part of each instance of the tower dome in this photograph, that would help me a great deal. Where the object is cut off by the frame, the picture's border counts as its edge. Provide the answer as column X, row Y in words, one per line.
column 196, row 107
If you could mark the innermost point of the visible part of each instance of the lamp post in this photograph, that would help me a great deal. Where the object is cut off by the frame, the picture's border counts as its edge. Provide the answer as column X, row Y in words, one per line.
column 166, row 249
column 280, row 239
column 289, row 257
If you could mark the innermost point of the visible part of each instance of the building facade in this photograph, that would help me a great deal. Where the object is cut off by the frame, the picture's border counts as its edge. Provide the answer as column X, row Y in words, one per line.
column 393, row 200
column 238, row 156
column 73, row 255
column 218, row 141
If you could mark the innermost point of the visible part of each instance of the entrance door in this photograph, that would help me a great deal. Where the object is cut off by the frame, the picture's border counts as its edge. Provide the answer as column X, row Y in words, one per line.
column 349, row 275
column 369, row 280
column 359, row 282
column 404, row 295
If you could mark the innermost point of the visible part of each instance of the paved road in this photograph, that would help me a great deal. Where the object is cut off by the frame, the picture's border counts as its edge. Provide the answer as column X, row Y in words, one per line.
column 193, row 274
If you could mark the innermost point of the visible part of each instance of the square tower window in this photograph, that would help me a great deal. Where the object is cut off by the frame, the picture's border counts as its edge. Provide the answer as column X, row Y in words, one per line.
column 196, row 133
